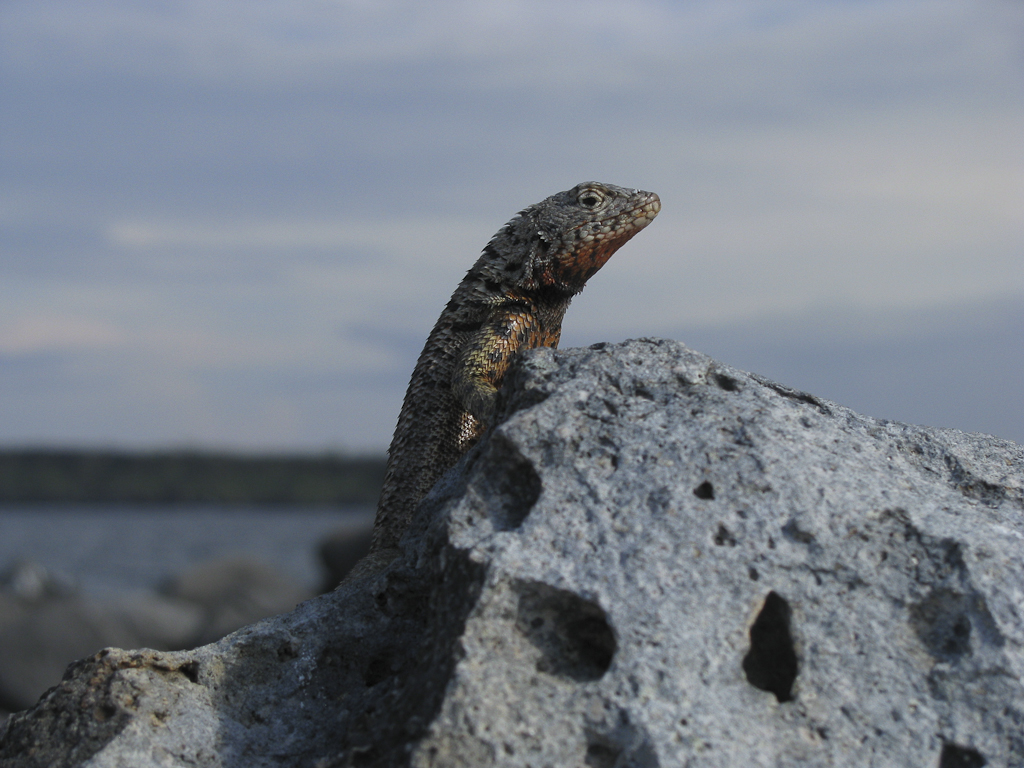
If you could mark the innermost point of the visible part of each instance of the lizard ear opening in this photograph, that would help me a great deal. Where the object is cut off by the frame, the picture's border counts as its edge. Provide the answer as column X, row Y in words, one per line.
column 531, row 233
column 527, row 278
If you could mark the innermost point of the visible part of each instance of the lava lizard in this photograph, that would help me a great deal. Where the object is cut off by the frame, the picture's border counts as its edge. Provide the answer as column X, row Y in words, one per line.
column 513, row 298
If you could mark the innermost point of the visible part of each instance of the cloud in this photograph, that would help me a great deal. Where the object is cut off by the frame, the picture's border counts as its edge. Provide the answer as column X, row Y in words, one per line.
column 714, row 50
column 218, row 208
column 402, row 235
column 48, row 333
column 246, row 40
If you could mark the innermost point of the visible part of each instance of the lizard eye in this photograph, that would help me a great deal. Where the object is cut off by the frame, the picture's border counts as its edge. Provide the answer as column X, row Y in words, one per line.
column 590, row 198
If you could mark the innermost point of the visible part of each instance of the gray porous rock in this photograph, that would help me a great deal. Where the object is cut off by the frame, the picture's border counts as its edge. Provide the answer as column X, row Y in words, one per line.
column 653, row 560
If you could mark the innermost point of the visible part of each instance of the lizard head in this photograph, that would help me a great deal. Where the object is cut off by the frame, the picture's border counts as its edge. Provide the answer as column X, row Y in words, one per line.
column 563, row 240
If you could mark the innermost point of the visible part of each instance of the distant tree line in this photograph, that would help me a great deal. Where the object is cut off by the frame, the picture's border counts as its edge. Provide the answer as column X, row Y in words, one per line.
column 186, row 477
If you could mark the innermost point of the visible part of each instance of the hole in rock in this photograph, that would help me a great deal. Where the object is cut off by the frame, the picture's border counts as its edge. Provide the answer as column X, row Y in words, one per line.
column 516, row 486
column 627, row 746
column 960, row 757
column 190, row 670
column 572, row 633
column 728, row 383
column 378, row 669
column 287, row 650
column 601, row 756
column 941, row 621
column 793, row 532
column 704, row 491
column 771, row 662
column 724, row 536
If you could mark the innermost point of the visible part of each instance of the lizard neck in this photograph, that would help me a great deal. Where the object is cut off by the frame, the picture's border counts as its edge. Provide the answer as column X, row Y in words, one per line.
column 549, row 295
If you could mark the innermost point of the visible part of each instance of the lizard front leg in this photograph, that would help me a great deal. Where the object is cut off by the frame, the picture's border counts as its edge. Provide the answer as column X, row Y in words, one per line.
column 485, row 357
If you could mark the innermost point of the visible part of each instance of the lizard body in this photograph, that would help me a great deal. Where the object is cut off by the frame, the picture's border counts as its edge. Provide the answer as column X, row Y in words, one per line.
column 512, row 298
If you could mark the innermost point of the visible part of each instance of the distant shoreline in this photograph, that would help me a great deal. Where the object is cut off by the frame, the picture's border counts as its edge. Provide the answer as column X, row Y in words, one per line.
column 76, row 476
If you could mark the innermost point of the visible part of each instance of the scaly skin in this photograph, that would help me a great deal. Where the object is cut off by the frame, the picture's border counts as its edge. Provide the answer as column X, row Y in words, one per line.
column 513, row 298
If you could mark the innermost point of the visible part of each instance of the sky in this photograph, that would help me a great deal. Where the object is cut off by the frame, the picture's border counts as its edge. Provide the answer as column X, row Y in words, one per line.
column 230, row 225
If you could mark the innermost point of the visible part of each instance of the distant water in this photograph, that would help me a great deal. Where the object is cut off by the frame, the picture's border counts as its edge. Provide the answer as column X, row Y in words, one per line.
column 131, row 548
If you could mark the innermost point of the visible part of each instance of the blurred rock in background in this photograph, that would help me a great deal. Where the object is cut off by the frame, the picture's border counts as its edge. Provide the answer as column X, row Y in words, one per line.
column 340, row 551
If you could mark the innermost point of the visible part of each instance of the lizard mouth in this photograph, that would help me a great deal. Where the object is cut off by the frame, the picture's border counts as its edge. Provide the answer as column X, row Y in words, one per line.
column 622, row 224
column 647, row 211
column 594, row 242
